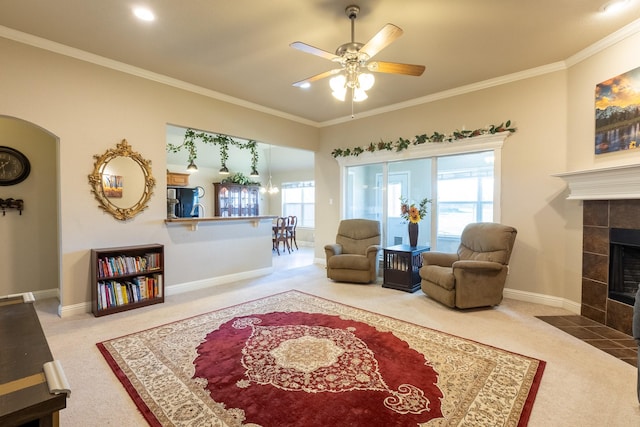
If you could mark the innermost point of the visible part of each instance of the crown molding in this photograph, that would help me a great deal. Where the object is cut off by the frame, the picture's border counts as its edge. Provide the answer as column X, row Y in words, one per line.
column 621, row 34
column 509, row 78
column 82, row 55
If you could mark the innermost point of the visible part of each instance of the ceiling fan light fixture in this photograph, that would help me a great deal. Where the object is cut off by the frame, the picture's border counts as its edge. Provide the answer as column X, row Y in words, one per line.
column 366, row 81
column 340, row 94
column 338, row 83
column 359, row 95
column 353, row 57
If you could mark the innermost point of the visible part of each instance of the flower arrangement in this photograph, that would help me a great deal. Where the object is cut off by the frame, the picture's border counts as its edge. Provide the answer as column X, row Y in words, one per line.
column 411, row 212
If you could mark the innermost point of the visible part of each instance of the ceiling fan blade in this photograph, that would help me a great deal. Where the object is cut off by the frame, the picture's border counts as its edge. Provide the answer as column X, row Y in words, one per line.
column 314, row 51
column 396, row 68
column 317, row 77
column 384, row 38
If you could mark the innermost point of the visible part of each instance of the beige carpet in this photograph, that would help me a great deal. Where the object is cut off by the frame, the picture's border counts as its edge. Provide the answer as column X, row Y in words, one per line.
column 441, row 380
column 581, row 386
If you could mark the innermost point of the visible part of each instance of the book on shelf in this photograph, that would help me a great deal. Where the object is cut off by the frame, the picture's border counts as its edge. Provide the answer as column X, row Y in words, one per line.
column 113, row 293
column 124, row 265
column 158, row 278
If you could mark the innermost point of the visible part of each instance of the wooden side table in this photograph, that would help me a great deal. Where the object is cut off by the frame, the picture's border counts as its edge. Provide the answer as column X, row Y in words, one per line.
column 24, row 393
column 401, row 265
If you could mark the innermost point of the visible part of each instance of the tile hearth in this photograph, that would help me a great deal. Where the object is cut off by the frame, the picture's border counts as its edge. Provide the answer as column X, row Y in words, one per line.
column 609, row 340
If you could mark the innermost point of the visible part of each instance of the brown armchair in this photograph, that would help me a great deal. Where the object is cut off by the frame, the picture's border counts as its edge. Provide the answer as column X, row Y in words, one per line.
column 475, row 275
column 354, row 256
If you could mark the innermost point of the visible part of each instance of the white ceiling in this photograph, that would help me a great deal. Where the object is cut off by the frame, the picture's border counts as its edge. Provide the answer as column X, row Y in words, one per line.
column 240, row 48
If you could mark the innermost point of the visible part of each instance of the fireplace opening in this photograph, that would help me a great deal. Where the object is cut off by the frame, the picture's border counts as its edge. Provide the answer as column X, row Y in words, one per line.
column 624, row 264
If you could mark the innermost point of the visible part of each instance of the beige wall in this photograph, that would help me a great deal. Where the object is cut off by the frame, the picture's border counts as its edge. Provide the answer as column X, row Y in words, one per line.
column 90, row 109
column 24, row 265
column 532, row 200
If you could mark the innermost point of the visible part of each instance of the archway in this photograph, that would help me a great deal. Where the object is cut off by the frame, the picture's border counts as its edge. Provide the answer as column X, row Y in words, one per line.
column 30, row 253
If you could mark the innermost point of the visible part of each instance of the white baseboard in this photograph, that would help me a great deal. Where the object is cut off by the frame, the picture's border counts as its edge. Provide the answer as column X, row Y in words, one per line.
column 85, row 307
column 215, row 281
column 70, row 310
column 548, row 300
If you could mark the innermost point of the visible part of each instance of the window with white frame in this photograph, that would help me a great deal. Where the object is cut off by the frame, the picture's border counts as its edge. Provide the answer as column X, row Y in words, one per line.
column 462, row 182
column 298, row 198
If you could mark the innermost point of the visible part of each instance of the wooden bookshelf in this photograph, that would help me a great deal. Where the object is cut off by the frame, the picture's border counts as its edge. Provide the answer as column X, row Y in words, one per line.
column 125, row 278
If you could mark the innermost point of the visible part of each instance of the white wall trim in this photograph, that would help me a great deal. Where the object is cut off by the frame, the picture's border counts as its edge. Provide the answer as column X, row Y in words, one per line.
column 429, row 149
column 621, row 34
column 179, row 288
column 473, row 87
column 515, row 294
column 82, row 55
column 215, row 281
column 619, row 182
column 542, row 299
column 75, row 309
column 45, row 294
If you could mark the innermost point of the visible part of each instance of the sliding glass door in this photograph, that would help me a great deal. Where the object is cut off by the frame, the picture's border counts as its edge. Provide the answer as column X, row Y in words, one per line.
column 363, row 193
column 465, row 195
column 460, row 186
column 410, row 179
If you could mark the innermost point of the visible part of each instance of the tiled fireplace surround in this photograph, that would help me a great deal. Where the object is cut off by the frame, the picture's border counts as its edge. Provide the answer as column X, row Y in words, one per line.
column 611, row 199
column 599, row 216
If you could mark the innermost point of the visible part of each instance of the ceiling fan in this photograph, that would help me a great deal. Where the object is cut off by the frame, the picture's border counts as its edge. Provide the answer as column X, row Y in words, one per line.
column 354, row 60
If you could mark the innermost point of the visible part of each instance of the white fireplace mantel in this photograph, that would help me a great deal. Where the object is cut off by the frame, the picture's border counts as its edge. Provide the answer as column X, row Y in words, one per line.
column 619, row 182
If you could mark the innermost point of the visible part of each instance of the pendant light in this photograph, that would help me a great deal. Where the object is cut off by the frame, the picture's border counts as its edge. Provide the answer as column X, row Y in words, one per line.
column 271, row 189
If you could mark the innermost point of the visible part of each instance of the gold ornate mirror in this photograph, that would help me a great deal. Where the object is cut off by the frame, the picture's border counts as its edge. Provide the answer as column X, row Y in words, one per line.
column 122, row 182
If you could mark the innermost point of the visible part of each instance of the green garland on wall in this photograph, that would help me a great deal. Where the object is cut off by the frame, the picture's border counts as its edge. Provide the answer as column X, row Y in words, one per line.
column 223, row 141
column 402, row 144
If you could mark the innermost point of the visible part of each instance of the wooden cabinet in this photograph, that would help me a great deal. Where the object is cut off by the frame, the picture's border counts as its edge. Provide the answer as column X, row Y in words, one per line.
column 236, row 200
column 126, row 277
column 177, row 179
column 401, row 267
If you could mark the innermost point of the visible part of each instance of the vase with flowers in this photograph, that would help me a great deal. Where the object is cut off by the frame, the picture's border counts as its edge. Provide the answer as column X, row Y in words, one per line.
column 413, row 214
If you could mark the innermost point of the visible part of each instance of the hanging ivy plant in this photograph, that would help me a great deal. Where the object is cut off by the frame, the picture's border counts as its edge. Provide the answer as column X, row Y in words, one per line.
column 223, row 141
column 240, row 178
column 402, row 144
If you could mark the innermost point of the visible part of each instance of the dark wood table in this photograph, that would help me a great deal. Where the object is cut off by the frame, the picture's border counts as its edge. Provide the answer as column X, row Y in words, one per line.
column 401, row 265
column 24, row 394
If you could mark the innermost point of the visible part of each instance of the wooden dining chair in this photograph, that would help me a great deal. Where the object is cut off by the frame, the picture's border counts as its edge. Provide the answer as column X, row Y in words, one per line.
column 280, row 235
column 291, row 231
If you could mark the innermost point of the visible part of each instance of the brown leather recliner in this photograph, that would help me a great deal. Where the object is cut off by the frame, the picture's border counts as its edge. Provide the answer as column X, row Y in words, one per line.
column 354, row 256
column 476, row 274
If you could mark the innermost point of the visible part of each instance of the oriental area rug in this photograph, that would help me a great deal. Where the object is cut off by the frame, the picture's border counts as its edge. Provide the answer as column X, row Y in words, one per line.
column 293, row 359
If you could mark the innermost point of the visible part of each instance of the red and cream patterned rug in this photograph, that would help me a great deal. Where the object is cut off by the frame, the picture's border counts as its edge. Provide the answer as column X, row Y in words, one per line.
column 294, row 359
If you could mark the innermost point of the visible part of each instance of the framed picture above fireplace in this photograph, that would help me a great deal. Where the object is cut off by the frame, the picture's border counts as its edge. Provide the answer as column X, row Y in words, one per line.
column 618, row 113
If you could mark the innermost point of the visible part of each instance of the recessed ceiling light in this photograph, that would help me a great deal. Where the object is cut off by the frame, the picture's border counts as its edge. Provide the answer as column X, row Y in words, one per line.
column 144, row 14
column 614, row 6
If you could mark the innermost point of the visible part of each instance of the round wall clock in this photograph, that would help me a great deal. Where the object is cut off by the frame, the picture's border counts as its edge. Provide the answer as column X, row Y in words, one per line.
column 14, row 166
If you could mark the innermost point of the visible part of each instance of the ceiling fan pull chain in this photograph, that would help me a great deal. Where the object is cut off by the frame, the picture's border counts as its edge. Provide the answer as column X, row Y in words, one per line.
column 352, row 115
